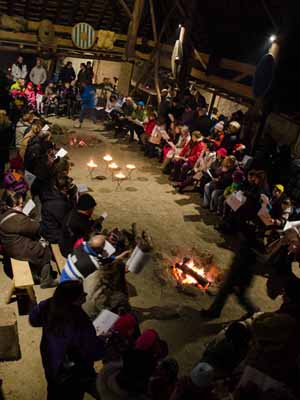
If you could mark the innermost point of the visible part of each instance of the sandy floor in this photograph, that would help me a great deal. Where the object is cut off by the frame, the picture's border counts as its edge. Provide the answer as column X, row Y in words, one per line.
column 173, row 220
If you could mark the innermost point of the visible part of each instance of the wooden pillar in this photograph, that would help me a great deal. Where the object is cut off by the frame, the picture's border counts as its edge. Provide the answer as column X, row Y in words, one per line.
column 212, row 103
column 133, row 28
column 125, row 78
column 188, row 49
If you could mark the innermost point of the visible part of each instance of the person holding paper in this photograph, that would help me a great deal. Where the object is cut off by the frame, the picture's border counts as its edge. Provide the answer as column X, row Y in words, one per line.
column 136, row 120
column 79, row 224
column 88, row 258
column 20, row 237
column 69, row 345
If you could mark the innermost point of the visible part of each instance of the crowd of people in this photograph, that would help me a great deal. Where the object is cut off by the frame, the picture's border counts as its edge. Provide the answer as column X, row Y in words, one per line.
column 255, row 357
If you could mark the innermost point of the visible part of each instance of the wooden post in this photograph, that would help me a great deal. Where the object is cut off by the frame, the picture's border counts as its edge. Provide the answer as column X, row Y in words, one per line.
column 133, row 28
column 212, row 103
column 148, row 68
column 157, row 57
column 126, row 8
column 187, row 45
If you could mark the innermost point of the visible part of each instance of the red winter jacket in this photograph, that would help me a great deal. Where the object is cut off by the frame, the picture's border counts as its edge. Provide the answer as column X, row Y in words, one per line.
column 192, row 153
column 149, row 126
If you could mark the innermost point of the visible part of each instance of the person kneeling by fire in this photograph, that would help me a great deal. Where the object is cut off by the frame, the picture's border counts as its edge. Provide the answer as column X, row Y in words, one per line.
column 101, row 260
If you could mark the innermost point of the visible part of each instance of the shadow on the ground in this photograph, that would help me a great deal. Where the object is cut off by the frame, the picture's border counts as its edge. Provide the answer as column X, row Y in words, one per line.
column 194, row 326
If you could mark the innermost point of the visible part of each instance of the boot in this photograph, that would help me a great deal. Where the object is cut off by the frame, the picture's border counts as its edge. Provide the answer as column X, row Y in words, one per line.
column 47, row 280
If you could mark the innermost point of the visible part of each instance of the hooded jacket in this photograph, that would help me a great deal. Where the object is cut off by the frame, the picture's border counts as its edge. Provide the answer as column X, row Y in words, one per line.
column 19, row 235
column 55, row 206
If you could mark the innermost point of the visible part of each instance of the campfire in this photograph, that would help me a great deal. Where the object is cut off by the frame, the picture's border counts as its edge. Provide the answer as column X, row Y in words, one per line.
column 190, row 271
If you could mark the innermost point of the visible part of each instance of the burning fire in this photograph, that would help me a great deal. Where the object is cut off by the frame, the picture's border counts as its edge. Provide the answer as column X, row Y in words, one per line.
column 184, row 278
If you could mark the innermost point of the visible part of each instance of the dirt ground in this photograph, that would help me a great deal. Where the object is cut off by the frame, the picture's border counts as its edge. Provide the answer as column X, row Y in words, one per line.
column 174, row 220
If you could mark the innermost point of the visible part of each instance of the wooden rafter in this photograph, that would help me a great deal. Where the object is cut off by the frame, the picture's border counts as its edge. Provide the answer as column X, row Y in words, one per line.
column 27, row 8
column 58, row 10
column 44, row 9
column 153, row 21
column 126, row 8
column 10, row 7
column 133, row 28
column 87, row 9
column 74, row 12
column 101, row 16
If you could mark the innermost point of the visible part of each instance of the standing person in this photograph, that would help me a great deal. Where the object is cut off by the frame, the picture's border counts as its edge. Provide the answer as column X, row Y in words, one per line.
column 165, row 105
column 90, row 71
column 19, row 69
column 69, row 344
column 38, row 74
column 30, row 96
column 88, row 98
column 79, row 223
column 237, row 281
column 67, row 74
column 82, row 74
column 6, row 137
column 55, row 206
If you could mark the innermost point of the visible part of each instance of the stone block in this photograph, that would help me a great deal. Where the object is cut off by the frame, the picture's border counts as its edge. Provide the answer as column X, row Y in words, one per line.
column 9, row 338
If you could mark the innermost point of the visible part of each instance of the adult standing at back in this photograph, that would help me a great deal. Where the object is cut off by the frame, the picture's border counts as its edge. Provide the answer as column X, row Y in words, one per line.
column 90, row 71
column 38, row 74
column 67, row 74
column 82, row 74
column 19, row 69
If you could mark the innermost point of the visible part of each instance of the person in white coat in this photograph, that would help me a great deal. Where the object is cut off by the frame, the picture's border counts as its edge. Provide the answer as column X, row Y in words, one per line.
column 38, row 74
column 19, row 69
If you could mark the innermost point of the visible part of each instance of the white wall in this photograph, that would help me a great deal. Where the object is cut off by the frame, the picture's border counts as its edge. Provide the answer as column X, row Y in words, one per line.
column 106, row 69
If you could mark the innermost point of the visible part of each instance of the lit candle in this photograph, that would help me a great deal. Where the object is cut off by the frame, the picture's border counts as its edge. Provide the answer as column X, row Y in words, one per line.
column 120, row 178
column 131, row 168
column 92, row 164
column 113, row 165
column 107, row 158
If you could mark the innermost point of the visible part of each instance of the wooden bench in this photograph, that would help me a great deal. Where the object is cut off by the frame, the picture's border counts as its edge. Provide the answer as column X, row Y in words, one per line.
column 22, row 279
column 59, row 259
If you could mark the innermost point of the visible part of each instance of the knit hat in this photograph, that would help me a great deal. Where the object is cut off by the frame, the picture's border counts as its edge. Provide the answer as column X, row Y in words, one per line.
column 146, row 340
column 239, row 147
column 86, row 202
column 279, row 187
column 202, row 375
column 219, row 126
column 236, row 125
column 222, row 152
column 125, row 324
column 141, row 103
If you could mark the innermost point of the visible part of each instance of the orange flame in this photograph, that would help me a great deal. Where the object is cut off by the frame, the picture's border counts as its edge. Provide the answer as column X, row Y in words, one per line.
column 186, row 279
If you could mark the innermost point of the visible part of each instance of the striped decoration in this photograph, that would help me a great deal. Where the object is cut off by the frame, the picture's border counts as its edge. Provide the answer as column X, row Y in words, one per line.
column 83, row 36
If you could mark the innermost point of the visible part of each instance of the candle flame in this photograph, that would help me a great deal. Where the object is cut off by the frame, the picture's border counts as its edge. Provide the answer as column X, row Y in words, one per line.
column 113, row 165
column 92, row 164
column 130, row 166
column 107, row 157
column 120, row 175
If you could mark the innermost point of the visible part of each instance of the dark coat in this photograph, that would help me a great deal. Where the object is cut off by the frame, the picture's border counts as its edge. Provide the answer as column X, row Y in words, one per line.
column 78, row 340
column 36, row 157
column 55, row 207
column 76, row 226
column 67, row 75
column 6, row 136
column 19, row 235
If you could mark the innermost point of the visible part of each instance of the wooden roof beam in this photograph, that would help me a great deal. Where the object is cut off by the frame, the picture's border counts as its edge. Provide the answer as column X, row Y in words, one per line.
column 134, row 28
column 126, row 8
